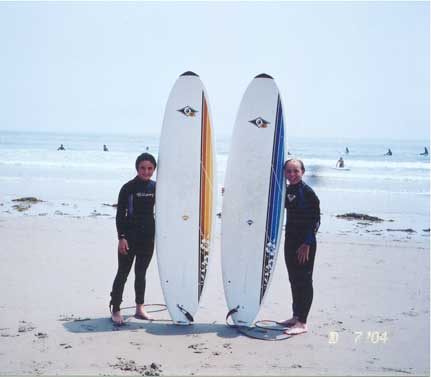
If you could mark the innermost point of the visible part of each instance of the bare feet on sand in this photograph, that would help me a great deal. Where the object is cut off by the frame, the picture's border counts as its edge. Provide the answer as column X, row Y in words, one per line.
column 141, row 313
column 117, row 318
column 298, row 328
column 289, row 322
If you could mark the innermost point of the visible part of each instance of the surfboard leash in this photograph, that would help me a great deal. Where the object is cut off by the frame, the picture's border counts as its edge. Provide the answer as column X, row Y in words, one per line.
column 264, row 330
column 162, row 309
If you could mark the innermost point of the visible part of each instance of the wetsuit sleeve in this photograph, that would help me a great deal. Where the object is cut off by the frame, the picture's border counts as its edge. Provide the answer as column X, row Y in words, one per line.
column 313, row 222
column 121, row 218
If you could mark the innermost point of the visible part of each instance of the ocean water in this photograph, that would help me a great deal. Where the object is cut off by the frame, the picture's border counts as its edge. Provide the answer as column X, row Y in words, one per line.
column 81, row 179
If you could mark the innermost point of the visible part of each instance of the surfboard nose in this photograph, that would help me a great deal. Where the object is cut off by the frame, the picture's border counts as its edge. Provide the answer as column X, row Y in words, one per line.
column 189, row 73
column 264, row 76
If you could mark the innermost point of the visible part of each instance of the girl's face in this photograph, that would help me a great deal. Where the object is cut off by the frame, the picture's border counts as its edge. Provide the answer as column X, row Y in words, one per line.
column 293, row 172
column 145, row 170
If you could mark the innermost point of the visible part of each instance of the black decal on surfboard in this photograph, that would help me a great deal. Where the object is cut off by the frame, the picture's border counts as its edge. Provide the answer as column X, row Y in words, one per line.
column 260, row 122
column 189, row 73
column 264, row 76
column 188, row 111
column 249, row 222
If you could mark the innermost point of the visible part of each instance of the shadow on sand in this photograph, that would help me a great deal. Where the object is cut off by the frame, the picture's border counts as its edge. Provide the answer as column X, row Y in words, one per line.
column 163, row 328
column 156, row 327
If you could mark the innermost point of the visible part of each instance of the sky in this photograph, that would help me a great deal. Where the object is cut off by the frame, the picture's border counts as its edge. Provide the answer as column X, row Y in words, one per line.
column 344, row 69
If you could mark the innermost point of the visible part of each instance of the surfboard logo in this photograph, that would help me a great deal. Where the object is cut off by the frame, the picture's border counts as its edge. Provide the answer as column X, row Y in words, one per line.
column 260, row 122
column 249, row 222
column 188, row 111
column 291, row 197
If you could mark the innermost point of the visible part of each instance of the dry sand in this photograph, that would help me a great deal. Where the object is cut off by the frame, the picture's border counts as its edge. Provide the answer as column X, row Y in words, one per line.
column 370, row 315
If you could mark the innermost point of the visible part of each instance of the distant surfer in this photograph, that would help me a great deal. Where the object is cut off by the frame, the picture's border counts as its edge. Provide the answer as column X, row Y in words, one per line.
column 340, row 163
column 136, row 229
column 105, row 148
column 61, row 148
column 389, row 152
column 347, row 150
column 302, row 223
column 425, row 152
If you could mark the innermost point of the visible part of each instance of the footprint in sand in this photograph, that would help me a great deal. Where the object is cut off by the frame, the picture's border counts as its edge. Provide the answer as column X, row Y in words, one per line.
column 198, row 347
column 25, row 326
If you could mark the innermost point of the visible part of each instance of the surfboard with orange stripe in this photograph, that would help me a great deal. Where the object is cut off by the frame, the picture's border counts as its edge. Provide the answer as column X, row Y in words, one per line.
column 206, row 194
column 185, row 197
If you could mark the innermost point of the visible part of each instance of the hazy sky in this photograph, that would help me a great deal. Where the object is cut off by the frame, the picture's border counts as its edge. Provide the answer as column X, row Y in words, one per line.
column 344, row 69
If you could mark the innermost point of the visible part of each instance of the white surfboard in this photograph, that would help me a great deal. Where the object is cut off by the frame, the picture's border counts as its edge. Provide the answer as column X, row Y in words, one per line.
column 185, row 197
column 253, row 203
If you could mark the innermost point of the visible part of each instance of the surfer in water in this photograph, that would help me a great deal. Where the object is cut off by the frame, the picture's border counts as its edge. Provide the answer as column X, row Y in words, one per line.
column 302, row 223
column 425, row 152
column 61, row 148
column 340, row 163
column 389, row 152
column 136, row 228
column 105, row 148
column 347, row 150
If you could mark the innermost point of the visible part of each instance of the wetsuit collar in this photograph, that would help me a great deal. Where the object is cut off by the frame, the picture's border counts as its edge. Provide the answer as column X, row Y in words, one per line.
column 139, row 180
column 300, row 183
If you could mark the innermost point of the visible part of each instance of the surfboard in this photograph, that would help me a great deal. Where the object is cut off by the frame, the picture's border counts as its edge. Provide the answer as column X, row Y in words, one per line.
column 185, row 197
column 253, row 202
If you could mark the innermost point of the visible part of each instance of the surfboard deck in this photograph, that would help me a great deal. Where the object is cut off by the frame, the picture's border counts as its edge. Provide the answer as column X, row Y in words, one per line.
column 253, row 203
column 185, row 200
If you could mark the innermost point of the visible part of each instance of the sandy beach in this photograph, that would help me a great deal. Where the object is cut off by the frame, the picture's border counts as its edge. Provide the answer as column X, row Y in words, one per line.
column 370, row 314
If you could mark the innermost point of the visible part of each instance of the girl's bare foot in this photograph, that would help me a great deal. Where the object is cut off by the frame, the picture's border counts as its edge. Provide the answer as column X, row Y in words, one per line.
column 117, row 318
column 289, row 322
column 141, row 313
column 298, row 328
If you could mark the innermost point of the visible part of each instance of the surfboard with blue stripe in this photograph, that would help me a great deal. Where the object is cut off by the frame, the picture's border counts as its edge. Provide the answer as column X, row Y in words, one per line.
column 253, row 202
column 275, row 202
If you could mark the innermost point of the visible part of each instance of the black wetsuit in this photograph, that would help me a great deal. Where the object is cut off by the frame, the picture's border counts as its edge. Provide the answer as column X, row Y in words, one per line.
column 302, row 222
column 135, row 222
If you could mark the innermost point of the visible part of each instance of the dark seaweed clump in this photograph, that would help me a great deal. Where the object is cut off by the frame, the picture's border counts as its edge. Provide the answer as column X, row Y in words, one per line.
column 360, row 216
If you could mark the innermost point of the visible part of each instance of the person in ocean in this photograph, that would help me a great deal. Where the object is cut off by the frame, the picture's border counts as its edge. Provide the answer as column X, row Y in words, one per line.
column 425, row 152
column 61, row 148
column 340, row 163
column 136, row 228
column 389, row 152
column 347, row 150
column 105, row 148
column 302, row 222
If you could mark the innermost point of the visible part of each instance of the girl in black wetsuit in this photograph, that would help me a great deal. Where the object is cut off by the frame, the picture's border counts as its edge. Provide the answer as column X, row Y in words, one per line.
column 302, row 222
column 136, row 228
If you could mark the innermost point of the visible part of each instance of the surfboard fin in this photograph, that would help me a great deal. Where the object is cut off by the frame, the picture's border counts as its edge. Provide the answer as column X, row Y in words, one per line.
column 234, row 310
column 186, row 313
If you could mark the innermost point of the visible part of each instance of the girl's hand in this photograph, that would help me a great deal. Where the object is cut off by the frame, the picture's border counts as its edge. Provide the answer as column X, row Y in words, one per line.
column 123, row 246
column 303, row 253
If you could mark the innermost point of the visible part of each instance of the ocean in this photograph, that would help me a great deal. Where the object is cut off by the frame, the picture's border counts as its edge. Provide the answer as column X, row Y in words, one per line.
column 81, row 180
